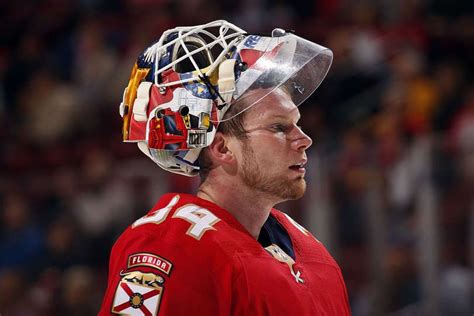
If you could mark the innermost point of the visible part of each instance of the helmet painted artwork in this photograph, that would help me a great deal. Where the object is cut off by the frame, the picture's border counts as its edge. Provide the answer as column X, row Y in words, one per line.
column 182, row 85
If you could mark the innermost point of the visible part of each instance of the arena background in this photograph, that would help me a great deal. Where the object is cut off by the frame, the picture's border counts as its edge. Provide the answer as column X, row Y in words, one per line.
column 391, row 170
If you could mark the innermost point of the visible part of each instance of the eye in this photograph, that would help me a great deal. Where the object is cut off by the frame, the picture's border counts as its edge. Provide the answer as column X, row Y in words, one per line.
column 279, row 128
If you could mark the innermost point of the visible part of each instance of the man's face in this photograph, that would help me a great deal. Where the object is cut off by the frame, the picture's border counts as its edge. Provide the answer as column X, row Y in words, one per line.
column 273, row 154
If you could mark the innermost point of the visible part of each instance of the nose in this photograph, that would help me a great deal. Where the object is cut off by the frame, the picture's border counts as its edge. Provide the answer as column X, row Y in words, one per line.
column 300, row 141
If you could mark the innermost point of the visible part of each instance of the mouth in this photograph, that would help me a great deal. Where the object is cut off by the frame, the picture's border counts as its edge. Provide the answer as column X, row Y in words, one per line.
column 299, row 167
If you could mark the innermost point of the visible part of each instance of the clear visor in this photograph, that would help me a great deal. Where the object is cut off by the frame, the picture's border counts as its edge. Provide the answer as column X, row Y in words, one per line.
column 289, row 63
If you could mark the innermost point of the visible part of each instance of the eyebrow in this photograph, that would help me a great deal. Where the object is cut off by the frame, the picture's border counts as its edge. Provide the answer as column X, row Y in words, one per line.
column 284, row 116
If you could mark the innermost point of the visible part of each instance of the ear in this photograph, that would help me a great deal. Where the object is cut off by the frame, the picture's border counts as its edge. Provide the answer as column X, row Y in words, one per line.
column 219, row 150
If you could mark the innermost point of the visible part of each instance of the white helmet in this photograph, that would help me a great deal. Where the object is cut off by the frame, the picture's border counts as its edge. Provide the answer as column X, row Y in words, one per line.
column 181, row 86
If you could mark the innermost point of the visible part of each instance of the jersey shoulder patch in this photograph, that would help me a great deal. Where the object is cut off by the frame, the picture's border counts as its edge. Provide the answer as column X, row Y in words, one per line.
column 138, row 293
column 145, row 259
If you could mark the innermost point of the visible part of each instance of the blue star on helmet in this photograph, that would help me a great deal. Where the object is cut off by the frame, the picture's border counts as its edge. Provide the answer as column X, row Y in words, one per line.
column 197, row 88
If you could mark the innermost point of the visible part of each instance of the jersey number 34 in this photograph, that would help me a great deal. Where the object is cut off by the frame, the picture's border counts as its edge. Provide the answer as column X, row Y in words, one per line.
column 201, row 219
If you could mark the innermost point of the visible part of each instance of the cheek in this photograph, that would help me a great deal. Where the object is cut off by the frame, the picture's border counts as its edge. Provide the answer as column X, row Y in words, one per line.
column 270, row 150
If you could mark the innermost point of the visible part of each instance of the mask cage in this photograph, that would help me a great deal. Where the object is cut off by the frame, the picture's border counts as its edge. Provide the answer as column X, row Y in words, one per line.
column 191, row 43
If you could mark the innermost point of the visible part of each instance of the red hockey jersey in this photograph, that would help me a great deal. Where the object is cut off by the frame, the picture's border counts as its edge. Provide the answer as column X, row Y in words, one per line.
column 188, row 256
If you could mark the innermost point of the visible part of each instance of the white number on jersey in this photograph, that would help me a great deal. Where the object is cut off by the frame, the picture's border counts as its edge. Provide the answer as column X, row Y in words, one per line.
column 158, row 216
column 201, row 219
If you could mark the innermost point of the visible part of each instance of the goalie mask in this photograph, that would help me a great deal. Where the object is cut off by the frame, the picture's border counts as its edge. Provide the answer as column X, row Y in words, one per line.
column 181, row 87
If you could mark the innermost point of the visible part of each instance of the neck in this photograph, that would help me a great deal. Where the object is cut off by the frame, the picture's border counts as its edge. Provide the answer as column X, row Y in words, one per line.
column 250, row 207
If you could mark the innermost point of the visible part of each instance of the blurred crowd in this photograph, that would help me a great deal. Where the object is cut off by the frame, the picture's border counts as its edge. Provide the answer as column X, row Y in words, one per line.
column 393, row 152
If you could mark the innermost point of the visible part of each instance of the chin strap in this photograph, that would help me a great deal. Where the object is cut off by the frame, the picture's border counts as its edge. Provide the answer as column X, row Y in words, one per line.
column 179, row 162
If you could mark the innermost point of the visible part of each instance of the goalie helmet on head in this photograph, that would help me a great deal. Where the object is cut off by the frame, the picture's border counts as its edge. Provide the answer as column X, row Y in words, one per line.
column 181, row 87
